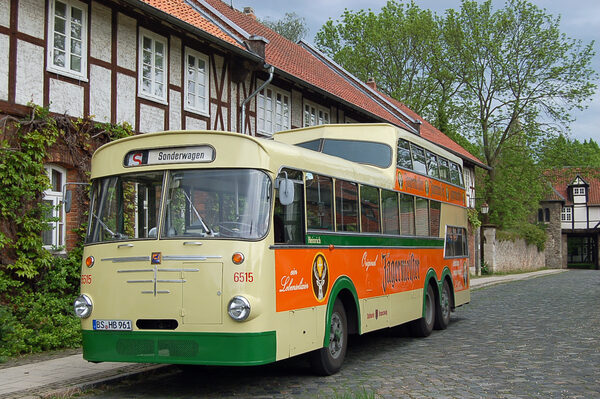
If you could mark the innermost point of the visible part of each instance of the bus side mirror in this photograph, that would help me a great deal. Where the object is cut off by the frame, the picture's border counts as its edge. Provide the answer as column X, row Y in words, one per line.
column 286, row 190
column 68, row 200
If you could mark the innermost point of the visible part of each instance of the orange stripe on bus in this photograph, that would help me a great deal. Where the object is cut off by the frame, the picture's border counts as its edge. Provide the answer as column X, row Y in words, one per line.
column 304, row 277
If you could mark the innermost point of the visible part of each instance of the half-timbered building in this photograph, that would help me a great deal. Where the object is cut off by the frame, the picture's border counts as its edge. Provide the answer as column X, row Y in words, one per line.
column 177, row 64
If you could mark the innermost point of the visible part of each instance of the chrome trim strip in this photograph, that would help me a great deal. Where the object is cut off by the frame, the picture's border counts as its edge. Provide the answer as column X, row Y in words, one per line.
column 140, row 281
column 135, row 270
column 157, row 292
column 179, row 270
column 127, row 259
column 171, row 281
column 190, row 257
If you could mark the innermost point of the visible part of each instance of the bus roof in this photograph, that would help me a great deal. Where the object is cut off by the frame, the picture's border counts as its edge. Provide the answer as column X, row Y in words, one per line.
column 378, row 132
column 234, row 150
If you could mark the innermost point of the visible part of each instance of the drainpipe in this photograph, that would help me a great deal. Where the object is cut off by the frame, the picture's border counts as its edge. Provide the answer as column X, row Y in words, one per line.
column 251, row 96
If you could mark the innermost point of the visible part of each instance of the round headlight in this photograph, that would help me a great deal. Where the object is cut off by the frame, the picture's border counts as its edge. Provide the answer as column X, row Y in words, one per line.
column 83, row 306
column 238, row 308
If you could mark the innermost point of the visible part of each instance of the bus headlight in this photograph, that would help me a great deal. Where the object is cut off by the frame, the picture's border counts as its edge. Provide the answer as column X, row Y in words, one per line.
column 238, row 308
column 83, row 306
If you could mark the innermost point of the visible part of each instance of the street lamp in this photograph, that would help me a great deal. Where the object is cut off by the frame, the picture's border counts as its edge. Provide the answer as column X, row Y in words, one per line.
column 485, row 208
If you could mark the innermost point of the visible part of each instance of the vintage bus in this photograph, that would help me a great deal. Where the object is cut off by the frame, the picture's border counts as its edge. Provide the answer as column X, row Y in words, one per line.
column 218, row 248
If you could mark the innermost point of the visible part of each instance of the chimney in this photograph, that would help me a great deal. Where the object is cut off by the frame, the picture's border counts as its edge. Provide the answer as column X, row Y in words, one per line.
column 249, row 11
column 371, row 83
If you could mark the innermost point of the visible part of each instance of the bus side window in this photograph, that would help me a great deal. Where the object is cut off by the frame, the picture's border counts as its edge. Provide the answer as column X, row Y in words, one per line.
column 288, row 221
column 319, row 202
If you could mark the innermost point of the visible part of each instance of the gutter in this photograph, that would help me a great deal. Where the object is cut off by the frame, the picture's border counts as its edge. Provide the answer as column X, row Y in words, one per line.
column 251, row 96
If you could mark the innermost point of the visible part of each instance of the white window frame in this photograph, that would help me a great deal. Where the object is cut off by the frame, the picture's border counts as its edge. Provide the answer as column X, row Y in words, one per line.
column 59, row 230
column 578, row 190
column 271, row 114
column 203, row 109
column 143, row 33
column 67, row 70
column 314, row 114
column 566, row 215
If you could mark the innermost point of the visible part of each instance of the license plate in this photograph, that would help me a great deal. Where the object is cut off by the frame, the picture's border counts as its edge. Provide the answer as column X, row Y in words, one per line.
column 112, row 325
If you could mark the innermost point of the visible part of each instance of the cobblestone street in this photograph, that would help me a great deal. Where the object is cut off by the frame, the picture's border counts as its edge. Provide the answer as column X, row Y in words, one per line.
column 533, row 338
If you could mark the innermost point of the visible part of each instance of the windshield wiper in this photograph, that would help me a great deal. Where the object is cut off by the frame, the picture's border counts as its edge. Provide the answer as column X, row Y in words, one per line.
column 204, row 226
column 107, row 229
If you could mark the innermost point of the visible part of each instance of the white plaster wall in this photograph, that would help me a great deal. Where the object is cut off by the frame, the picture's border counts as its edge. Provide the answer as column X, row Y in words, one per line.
column 66, row 98
column 579, row 199
column 297, row 108
column 100, row 93
column 4, row 48
column 126, row 42
column 5, row 13
column 580, row 217
column 101, row 36
column 31, row 17
column 152, row 119
column 174, row 110
column 126, row 99
column 213, row 86
column 175, row 60
column 594, row 215
column 30, row 73
column 195, row 124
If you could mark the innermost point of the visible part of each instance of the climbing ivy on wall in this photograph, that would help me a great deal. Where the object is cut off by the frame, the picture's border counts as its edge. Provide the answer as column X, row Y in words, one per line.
column 36, row 287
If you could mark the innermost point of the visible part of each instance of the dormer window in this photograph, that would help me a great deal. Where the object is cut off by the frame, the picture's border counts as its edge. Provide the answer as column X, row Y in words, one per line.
column 578, row 190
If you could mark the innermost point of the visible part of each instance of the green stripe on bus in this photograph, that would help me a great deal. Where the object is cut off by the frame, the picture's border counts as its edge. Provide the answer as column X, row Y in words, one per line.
column 373, row 241
column 225, row 349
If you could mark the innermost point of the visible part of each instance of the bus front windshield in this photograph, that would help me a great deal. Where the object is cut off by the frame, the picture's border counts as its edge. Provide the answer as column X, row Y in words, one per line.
column 212, row 203
column 225, row 203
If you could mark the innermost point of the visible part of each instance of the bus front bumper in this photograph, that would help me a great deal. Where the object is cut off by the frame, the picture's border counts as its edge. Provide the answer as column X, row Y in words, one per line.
column 224, row 349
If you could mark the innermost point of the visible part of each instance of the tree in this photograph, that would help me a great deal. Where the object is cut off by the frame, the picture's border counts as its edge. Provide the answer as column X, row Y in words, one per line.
column 292, row 26
column 401, row 49
column 520, row 75
column 561, row 151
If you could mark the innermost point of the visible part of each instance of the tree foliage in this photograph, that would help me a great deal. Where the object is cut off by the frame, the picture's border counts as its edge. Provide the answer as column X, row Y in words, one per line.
column 400, row 48
column 562, row 151
column 291, row 26
column 505, row 80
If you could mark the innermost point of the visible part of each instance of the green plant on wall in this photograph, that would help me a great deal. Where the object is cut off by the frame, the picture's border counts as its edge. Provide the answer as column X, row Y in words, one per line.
column 36, row 287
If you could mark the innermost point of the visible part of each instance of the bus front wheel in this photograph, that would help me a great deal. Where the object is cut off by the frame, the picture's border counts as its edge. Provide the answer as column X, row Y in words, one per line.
column 422, row 327
column 328, row 360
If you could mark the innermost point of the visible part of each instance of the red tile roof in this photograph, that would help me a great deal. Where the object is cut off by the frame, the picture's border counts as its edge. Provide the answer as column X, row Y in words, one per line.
column 299, row 62
column 561, row 178
column 179, row 9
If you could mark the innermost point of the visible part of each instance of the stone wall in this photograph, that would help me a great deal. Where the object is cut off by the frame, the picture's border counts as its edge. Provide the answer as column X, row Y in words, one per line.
column 506, row 256
column 554, row 242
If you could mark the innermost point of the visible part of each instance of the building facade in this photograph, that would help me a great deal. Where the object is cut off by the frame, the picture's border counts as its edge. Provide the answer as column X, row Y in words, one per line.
column 175, row 65
column 572, row 215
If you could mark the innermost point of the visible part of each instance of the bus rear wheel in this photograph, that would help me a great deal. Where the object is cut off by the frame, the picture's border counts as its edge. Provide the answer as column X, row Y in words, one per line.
column 424, row 326
column 328, row 360
column 442, row 309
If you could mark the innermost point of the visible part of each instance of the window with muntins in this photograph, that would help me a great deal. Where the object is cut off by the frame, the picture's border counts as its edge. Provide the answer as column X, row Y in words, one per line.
column 152, row 66
column 67, row 38
column 315, row 115
column 196, row 82
column 54, row 237
column 273, row 111
column 566, row 214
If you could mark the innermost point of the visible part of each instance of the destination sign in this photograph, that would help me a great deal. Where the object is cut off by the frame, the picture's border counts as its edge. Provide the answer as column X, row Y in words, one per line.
column 197, row 154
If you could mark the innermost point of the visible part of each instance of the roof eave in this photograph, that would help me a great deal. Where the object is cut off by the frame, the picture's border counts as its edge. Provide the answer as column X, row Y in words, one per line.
column 192, row 29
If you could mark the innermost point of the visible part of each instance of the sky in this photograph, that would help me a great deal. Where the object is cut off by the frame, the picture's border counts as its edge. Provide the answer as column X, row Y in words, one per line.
column 580, row 19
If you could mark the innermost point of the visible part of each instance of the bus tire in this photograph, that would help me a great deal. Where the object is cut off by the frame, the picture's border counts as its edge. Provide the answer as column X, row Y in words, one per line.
column 328, row 360
column 422, row 327
column 442, row 308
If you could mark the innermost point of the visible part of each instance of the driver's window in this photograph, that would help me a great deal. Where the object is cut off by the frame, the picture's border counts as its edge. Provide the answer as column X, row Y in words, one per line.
column 288, row 221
